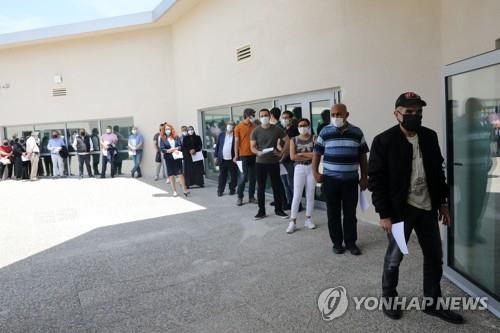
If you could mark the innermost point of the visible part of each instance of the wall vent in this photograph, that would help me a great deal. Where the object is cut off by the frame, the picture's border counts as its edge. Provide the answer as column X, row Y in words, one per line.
column 243, row 53
column 59, row 92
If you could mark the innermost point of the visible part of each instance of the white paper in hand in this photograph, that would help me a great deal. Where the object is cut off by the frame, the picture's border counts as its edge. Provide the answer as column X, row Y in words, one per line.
column 283, row 170
column 240, row 165
column 267, row 150
column 198, row 156
column 177, row 155
column 398, row 232
column 363, row 201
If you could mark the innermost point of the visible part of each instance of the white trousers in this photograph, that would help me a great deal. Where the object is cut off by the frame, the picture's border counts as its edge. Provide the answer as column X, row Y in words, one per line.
column 57, row 165
column 303, row 177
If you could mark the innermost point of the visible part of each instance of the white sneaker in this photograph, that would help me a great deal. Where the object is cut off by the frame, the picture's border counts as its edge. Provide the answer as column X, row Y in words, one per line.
column 291, row 228
column 175, row 194
column 308, row 224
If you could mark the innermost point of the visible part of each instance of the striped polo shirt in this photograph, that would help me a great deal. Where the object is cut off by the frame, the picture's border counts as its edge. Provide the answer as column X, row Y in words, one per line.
column 341, row 151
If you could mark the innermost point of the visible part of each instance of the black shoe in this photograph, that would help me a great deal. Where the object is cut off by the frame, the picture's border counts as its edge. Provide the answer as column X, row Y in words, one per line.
column 232, row 192
column 139, row 176
column 446, row 315
column 259, row 216
column 392, row 313
column 281, row 214
column 354, row 249
column 338, row 249
column 219, row 194
column 239, row 202
column 132, row 175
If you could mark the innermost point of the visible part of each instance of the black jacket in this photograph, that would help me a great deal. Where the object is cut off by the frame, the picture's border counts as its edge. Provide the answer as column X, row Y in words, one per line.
column 390, row 167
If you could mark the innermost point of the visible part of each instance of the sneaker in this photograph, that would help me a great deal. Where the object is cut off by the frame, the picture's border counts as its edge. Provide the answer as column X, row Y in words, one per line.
column 291, row 227
column 239, row 202
column 175, row 194
column 219, row 194
column 309, row 225
column 281, row 214
column 259, row 216
column 252, row 200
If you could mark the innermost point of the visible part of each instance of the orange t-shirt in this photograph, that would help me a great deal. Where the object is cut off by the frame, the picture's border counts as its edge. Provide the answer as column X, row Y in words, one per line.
column 243, row 132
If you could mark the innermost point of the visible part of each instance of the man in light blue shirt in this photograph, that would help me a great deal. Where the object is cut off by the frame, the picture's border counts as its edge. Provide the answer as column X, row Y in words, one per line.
column 56, row 143
column 135, row 147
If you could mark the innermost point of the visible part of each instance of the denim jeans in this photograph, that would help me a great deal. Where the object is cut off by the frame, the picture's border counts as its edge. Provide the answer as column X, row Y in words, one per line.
column 105, row 161
column 426, row 227
column 248, row 174
column 287, row 181
column 137, row 158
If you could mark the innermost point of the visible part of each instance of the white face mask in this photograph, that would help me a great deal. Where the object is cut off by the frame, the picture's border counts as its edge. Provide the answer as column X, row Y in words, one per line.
column 303, row 130
column 285, row 122
column 184, row 133
column 108, row 131
column 264, row 120
column 168, row 132
column 229, row 128
column 191, row 132
column 252, row 119
column 337, row 122
column 134, row 132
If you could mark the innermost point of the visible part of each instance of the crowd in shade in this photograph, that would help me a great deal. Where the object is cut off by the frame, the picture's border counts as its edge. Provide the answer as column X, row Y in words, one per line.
column 273, row 151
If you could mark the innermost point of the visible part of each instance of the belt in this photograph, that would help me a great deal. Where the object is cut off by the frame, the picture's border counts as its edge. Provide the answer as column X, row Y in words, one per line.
column 304, row 163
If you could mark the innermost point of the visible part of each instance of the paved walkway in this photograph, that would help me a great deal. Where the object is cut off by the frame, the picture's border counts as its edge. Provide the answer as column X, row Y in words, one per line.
column 120, row 255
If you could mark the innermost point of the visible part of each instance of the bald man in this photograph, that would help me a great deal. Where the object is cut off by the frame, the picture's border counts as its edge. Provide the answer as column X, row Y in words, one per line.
column 344, row 149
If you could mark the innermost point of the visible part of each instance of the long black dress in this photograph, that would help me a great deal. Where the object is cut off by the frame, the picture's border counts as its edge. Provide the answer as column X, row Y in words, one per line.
column 193, row 171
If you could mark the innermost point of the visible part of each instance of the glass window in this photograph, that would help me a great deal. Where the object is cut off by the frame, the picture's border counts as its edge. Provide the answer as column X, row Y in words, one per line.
column 19, row 131
column 238, row 109
column 317, row 108
column 213, row 123
column 296, row 108
column 473, row 105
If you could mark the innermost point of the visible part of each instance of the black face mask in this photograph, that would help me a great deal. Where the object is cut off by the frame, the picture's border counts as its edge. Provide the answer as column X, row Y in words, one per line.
column 82, row 133
column 412, row 122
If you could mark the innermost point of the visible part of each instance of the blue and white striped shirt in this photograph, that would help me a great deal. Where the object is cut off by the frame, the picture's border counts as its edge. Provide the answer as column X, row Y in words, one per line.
column 341, row 151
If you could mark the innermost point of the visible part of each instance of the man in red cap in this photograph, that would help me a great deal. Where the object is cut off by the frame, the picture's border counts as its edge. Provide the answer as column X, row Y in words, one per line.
column 408, row 184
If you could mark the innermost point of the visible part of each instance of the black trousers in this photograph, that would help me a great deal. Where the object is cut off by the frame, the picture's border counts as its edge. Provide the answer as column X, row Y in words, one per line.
column 47, row 161
column 225, row 167
column 81, row 160
column 95, row 163
column 9, row 170
column 425, row 224
column 248, row 174
column 105, row 161
column 273, row 170
column 341, row 199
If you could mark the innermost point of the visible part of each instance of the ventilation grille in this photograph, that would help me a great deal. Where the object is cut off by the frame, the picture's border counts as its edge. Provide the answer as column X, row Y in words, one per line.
column 59, row 92
column 243, row 53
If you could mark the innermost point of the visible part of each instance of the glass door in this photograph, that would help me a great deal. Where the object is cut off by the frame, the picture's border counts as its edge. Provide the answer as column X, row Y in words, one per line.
column 473, row 135
column 45, row 135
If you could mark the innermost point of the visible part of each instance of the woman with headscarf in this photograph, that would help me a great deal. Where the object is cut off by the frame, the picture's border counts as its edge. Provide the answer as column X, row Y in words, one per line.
column 193, row 171
column 170, row 145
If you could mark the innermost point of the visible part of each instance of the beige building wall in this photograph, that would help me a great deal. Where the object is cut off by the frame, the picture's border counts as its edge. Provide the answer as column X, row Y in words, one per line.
column 372, row 50
column 125, row 74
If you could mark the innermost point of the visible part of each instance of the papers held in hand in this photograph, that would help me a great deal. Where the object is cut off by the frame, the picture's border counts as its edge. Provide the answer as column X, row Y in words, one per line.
column 398, row 232
column 267, row 150
column 177, row 155
column 198, row 156
column 363, row 201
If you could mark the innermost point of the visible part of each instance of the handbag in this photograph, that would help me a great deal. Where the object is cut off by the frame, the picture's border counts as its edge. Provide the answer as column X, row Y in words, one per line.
column 158, row 157
column 205, row 154
column 4, row 160
column 63, row 152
